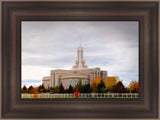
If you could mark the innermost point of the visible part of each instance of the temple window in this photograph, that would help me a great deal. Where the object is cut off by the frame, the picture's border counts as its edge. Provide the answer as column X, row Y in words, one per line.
column 70, row 82
column 75, row 83
column 85, row 82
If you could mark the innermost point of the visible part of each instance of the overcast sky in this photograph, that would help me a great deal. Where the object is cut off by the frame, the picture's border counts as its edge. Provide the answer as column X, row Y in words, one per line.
column 112, row 46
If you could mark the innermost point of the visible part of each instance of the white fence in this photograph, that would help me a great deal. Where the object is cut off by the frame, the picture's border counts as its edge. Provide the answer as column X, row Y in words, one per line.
column 82, row 95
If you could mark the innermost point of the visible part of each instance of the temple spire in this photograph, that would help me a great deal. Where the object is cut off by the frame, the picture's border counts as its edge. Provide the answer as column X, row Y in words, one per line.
column 80, row 63
column 80, row 39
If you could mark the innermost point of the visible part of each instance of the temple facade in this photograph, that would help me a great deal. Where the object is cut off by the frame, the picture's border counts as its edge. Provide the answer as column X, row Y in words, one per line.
column 79, row 72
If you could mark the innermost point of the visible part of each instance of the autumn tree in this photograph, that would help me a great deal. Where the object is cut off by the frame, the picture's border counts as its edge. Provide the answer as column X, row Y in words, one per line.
column 120, row 87
column 77, row 93
column 96, row 81
column 94, row 88
column 111, row 82
column 137, row 88
column 134, row 86
column 94, row 84
column 56, row 90
column 113, row 89
column 35, row 93
column 127, row 90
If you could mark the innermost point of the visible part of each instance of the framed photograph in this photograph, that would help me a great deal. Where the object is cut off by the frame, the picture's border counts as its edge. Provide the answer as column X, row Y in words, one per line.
column 80, row 80
column 80, row 59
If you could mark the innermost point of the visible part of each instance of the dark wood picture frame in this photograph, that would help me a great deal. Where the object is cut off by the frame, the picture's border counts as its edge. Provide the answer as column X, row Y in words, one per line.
column 146, row 13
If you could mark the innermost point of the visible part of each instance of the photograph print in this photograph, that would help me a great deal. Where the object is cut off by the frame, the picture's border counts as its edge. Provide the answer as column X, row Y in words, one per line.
column 80, row 59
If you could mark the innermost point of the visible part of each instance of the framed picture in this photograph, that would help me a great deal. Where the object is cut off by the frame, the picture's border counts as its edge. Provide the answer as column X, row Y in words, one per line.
column 80, row 59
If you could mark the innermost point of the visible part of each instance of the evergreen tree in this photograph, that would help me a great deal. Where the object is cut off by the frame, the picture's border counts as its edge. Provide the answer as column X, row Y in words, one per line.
column 80, row 87
column 30, row 87
column 120, row 87
column 87, row 88
column 24, row 88
column 39, row 88
column 74, row 89
column 44, row 90
column 70, row 90
column 100, row 86
column 61, row 88
column 48, row 90
column 103, row 90
column 42, row 86
column 51, row 89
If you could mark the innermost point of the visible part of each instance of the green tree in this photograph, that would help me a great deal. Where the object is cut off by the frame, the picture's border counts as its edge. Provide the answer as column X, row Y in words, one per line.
column 24, row 89
column 39, row 88
column 61, row 88
column 70, row 90
column 87, row 88
column 100, row 86
column 48, row 90
column 44, row 90
column 42, row 86
column 103, row 90
column 74, row 89
column 30, row 87
column 80, row 87
column 52, row 89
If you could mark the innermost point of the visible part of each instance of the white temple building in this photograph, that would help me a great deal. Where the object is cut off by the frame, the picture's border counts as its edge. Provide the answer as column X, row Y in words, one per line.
column 79, row 71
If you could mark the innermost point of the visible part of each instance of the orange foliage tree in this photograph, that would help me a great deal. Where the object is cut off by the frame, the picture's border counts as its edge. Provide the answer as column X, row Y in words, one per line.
column 95, row 83
column 56, row 90
column 35, row 93
column 134, row 86
column 111, row 81
column 77, row 93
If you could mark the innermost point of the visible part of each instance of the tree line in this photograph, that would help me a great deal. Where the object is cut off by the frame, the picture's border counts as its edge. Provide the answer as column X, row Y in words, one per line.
column 98, row 85
column 59, row 89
